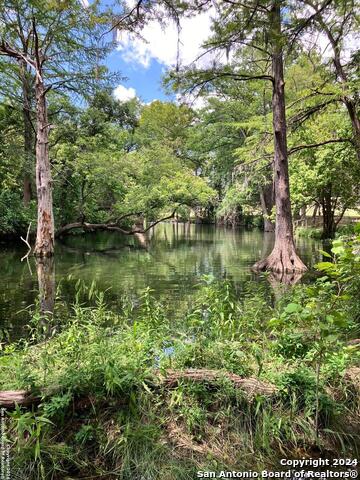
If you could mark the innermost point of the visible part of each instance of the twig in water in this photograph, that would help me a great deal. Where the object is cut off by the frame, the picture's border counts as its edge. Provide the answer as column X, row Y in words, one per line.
column 29, row 247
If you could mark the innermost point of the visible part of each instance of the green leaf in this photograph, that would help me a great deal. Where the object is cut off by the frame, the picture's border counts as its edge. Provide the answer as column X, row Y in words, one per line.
column 274, row 322
column 338, row 250
column 292, row 308
column 324, row 266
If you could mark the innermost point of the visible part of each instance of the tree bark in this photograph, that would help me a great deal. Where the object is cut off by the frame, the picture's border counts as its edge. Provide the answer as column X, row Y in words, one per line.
column 111, row 226
column 23, row 398
column 45, row 267
column 283, row 258
column 267, row 204
column 349, row 102
column 44, row 246
column 355, row 121
column 316, row 207
column 328, row 212
column 303, row 220
column 28, row 132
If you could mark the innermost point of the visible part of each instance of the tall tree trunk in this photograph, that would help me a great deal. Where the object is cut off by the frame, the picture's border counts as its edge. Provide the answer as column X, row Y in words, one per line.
column 349, row 102
column 303, row 220
column 355, row 122
column 283, row 258
column 28, row 133
column 328, row 211
column 315, row 212
column 46, row 278
column 267, row 204
column 44, row 246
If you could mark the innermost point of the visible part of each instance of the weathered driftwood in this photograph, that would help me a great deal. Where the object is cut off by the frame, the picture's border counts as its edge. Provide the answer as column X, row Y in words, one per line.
column 23, row 398
column 250, row 386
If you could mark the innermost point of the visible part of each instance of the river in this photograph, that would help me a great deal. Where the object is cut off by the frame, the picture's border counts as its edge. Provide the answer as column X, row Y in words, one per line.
column 176, row 258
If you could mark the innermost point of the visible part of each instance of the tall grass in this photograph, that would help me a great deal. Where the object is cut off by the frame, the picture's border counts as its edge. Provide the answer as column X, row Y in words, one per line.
column 106, row 414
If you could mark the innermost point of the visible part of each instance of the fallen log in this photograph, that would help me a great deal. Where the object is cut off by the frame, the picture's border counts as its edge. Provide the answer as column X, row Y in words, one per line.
column 251, row 386
column 23, row 398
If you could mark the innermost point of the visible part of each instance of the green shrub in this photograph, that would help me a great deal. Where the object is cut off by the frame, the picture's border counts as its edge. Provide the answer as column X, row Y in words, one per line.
column 106, row 410
column 14, row 218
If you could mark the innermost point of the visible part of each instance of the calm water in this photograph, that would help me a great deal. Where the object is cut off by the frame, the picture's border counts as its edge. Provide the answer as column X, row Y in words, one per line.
column 176, row 258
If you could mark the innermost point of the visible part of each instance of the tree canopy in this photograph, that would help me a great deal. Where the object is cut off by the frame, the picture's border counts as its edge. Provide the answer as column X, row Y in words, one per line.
column 260, row 145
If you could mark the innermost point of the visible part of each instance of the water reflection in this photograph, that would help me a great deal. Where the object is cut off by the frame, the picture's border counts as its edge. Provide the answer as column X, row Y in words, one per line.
column 172, row 264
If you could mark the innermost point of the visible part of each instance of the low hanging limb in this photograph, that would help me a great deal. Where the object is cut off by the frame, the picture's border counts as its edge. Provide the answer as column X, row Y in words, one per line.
column 112, row 226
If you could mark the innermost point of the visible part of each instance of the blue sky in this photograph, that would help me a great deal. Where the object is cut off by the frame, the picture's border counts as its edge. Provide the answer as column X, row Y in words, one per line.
column 143, row 63
column 146, row 81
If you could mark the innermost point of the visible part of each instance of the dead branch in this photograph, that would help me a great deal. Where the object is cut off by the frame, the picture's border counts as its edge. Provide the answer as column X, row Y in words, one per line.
column 250, row 386
column 26, row 241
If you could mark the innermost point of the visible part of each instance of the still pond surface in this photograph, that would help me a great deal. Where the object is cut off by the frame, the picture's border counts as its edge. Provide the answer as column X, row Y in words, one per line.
column 176, row 258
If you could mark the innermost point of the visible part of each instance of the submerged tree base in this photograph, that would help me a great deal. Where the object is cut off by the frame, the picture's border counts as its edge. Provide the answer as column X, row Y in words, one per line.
column 283, row 260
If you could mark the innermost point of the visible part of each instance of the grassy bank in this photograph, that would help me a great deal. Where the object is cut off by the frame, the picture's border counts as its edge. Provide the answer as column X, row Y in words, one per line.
column 106, row 412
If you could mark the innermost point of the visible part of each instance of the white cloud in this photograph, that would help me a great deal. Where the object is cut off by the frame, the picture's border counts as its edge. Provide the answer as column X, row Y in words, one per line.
column 124, row 94
column 197, row 102
column 161, row 43
column 193, row 101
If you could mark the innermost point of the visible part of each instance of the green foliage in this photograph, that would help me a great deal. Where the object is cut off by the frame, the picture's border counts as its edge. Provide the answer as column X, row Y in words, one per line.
column 104, row 409
column 108, row 402
column 309, row 232
column 111, row 169
column 14, row 218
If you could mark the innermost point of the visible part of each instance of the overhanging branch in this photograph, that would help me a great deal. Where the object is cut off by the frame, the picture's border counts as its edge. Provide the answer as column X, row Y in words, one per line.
column 112, row 226
column 320, row 144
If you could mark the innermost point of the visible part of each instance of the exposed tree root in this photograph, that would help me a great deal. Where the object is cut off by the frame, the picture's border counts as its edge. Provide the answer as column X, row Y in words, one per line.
column 281, row 260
